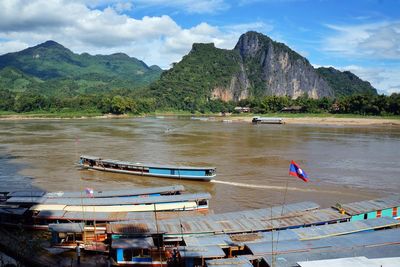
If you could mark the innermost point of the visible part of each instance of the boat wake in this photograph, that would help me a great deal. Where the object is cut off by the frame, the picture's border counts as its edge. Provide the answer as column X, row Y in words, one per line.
column 264, row 186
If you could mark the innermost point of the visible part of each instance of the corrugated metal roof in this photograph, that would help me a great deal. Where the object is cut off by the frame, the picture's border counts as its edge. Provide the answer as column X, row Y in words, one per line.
column 67, row 227
column 322, row 231
column 353, row 262
column 371, row 205
column 139, row 242
column 387, row 262
column 29, row 199
column 111, row 200
column 50, row 214
column 117, row 193
column 12, row 211
column 237, row 262
column 291, row 259
column 242, row 222
column 270, row 236
column 201, row 252
column 215, row 240
column 345, row 241
column 26, row 194
column 115, row 216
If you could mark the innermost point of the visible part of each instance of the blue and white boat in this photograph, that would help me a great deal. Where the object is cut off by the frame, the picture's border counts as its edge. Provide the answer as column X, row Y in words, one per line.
column 178, row 172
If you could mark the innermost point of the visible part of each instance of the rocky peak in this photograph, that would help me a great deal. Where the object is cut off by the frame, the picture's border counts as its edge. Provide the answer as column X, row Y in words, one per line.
column 202, row 47
column 250, row 43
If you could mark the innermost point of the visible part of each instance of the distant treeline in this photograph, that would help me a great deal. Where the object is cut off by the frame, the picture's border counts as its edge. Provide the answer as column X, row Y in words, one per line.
column 119, row 102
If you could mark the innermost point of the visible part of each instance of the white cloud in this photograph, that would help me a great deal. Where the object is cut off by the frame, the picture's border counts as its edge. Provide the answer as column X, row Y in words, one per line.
column 11, row 46
column 156, row 40
column 189, row 6
column 370, row 41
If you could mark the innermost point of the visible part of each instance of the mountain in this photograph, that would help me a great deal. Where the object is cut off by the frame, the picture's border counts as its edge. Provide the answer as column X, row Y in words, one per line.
column 345, row 83
column 257, row 66
column 51, row 61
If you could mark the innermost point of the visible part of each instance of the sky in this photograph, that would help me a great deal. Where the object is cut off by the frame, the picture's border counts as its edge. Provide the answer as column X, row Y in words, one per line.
column 362, row 36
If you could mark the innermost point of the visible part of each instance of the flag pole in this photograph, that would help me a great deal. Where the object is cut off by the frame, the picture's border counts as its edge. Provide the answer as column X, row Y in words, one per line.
column 279, row 221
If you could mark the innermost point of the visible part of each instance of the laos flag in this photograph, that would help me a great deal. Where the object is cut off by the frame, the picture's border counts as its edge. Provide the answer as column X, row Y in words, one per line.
column 295, row 170
column 89, row 191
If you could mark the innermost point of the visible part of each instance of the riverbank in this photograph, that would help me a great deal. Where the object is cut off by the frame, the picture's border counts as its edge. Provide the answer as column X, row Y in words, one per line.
column 312, row 119
column 356, row 121
column 16, row 117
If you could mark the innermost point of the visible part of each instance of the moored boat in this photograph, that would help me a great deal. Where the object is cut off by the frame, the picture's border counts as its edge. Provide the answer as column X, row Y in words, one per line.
column 178, row 172
column 115, row 204
column 267, row 120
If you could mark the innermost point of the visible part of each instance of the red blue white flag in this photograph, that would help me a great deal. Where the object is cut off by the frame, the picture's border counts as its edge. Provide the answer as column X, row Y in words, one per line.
column 89, row 191
column 295, row 170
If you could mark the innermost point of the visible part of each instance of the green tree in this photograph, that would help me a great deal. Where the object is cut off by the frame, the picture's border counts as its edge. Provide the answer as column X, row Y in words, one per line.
column 119, row 105
column 7, row 99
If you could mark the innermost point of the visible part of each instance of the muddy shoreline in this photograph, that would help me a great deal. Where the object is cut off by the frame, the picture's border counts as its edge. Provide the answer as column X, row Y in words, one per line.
column 355, row 121
column 324, row 121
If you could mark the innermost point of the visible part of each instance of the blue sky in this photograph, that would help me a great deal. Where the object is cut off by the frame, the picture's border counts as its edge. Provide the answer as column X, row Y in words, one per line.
column 360, row 36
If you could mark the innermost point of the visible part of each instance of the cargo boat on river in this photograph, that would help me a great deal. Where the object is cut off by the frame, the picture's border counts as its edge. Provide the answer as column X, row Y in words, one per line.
column 266, row 120
column 177, row 172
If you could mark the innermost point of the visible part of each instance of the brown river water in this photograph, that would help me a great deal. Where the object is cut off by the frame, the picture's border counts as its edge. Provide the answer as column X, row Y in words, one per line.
column 345, row 163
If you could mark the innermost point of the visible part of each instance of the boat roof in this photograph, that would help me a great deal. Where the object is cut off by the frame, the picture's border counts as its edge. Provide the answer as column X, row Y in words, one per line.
column 113, row 216
column 371, row 205
column 353, row 261
column 238, row 222
column 243, row 224
column 292, row 259
column 268, row 118
column 212, row 240
column 120, row 162
column 306, row 233
column 90, row 157
column 99, row 193
column 316, row 232
column 361, row 239
column 26, row 194
column 117, row 193
column 201, row 252
column 110, row 201
column 67, row 227
column 12, row 211
column 137, row 242
column 229, row 262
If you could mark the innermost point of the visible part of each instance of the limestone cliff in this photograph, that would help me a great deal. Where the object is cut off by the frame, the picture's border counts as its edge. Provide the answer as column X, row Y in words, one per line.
column 275, row 69
column 257, row 66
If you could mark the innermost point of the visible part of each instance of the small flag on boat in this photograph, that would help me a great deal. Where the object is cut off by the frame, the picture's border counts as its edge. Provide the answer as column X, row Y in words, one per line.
column 89, row 191
column 295, row 170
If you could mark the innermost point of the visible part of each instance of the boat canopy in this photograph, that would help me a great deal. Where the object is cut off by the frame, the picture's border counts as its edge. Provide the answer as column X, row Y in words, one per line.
column 67, row 227
column 371, row 205
column 137, row 242
column 201, row 252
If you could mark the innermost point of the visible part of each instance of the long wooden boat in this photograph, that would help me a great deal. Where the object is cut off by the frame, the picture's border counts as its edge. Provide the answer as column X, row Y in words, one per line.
column 177, row 172
column 115, row 204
